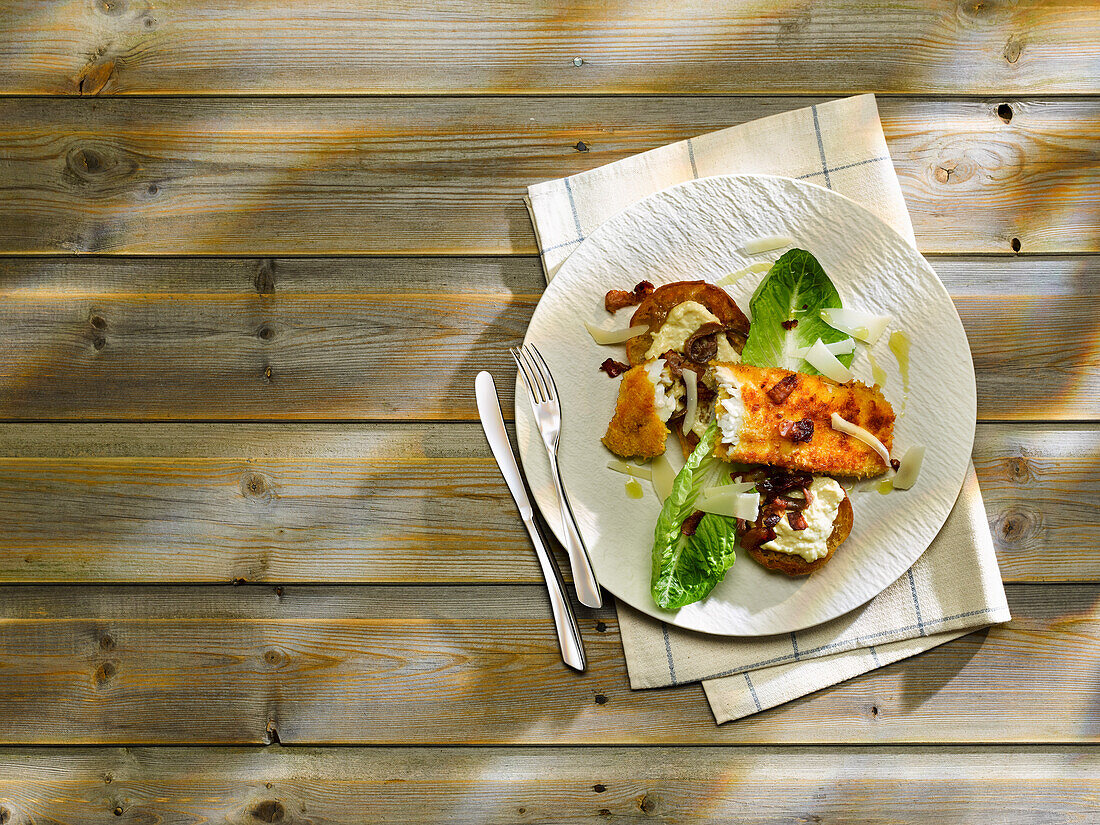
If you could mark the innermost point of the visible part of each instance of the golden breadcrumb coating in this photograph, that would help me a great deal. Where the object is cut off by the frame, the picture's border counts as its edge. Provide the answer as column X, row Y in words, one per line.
column 814, row 397
column 636, row 429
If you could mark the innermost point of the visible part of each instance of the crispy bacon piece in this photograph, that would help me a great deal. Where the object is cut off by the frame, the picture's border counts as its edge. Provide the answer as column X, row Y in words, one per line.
column 797, row 430
column 780, row 482
column 756, row 535
column 783, row 388
column 614, row 368
column 617, row 299
column 691, row 523
column 797, row 520
column 675, row 363
column 789, row 325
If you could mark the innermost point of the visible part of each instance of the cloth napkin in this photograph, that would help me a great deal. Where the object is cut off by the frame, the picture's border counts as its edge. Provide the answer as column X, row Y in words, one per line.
column 953, row 589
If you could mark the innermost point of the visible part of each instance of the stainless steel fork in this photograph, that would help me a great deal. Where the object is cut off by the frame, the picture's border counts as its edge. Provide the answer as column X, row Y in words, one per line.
column 543, row 393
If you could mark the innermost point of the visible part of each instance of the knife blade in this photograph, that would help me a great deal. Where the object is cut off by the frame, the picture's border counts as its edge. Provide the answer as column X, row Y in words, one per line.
column 492, row 422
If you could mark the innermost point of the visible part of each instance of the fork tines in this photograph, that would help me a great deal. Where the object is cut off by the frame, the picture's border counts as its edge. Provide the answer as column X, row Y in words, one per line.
column 536, row 375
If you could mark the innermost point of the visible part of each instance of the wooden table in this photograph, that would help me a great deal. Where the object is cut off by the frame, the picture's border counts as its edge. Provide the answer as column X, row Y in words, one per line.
column 253, row 254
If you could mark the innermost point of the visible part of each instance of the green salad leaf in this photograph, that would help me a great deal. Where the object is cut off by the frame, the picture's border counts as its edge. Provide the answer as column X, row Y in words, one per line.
column 687, row 568
column 795, row 289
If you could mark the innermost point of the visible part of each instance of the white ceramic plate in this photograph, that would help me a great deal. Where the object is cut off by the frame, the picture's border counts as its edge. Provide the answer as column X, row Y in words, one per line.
column 697, row 230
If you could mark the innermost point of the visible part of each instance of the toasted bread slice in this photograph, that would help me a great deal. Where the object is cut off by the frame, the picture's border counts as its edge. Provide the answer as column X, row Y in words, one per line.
column 636, row 429
column 828, row 451
column 654, row 310
column 794, row 565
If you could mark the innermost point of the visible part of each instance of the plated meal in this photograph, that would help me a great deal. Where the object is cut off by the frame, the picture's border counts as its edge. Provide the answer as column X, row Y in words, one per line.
column 719, row 388
column 766, row 436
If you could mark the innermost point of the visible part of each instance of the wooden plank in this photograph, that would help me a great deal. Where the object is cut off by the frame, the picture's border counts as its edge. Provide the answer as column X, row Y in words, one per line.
column 404, row 338
column 1010, row 786
column 396, row 503
column 438, row 175
column 178, row 47
column 480, row 665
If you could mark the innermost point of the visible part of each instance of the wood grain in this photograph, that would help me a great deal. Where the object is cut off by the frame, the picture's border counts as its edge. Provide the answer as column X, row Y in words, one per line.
column 1010, row 786
column 403, row 338
column 480, row 665
column 369, row 46
column 395, row 503
column 438, row 175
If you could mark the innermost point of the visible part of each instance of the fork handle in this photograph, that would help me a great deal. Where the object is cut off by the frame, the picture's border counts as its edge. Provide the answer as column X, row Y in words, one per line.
column 584, row 579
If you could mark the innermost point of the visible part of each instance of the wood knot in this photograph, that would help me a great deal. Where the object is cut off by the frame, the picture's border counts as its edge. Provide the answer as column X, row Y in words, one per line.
column 874, row 710
column 601, row 699
column 1004, row 112
column 601, row 627
column 1015, row 527
column 265, row 333
column 264, row 280
column 271, row 734
column 1015, row 244
column 270, row 810
column 647, row 804
column 86, row 162
column 112, row 8
column 5, row 816
column 604, row 812
column 105, row 672
column 99, row 342
column 275, row 658
column 106, row 642
column 580, row 146
column 96, row 76
column 1019, row 470
column 98, row 321
column 152, row 189
column 256, row 486
column 1013, row 48
column 599, row 788
column 108, row 779
column 118, row 810
column 268, row 374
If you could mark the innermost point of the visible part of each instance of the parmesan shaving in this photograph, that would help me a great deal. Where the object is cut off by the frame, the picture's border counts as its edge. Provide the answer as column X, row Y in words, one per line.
column 736, row 487
column 909, row 468
column 863, row 435
column 734, row 277
column 836, row 348
column 826, row 363
column 866, row 326
column 630, row 469
column 692, row 388
column 767, row 244
column 662, row 476
column 739, row 505
column 604, row 337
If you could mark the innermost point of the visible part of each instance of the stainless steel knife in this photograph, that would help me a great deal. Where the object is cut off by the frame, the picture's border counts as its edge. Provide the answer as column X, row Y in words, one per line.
column 488, row 407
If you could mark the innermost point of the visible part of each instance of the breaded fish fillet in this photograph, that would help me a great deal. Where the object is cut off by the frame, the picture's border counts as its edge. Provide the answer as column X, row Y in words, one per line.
column 636, row 429
column 754, row 413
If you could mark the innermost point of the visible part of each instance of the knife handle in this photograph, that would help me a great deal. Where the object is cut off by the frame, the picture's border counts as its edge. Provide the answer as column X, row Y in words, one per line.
column 565, row 622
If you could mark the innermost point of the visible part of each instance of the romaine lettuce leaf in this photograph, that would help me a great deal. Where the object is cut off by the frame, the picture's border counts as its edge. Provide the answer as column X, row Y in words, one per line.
column 687, row 568
column 795, row 289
